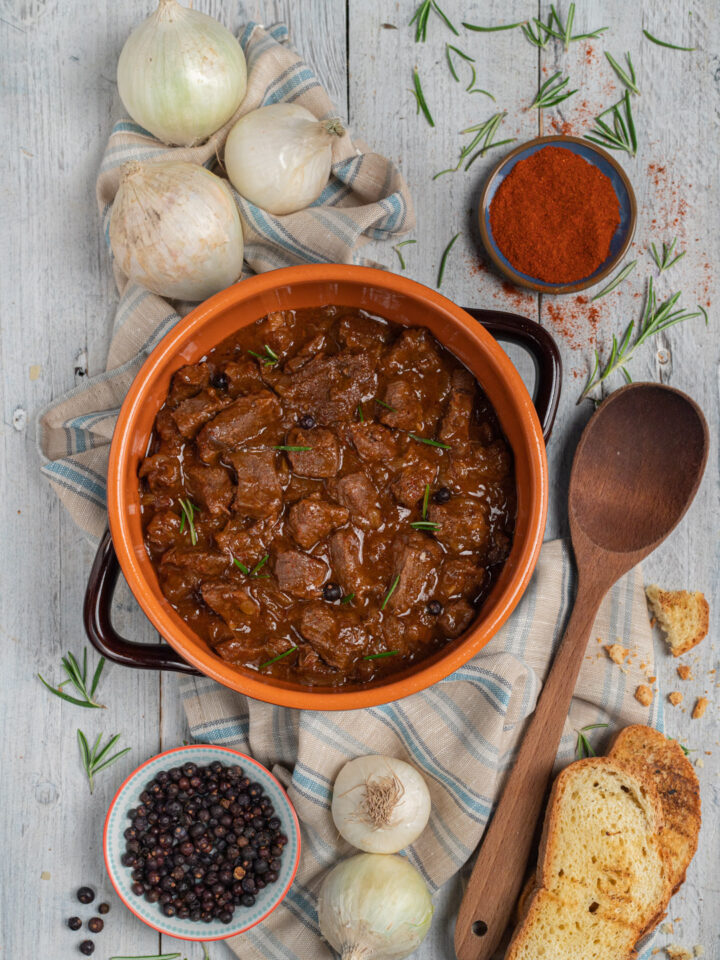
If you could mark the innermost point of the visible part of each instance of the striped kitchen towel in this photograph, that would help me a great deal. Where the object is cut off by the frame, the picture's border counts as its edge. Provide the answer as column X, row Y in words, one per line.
column 365, row 199
column 461, row 734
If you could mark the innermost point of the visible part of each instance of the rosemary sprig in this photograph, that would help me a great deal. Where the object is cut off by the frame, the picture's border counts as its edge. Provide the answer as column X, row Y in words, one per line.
column 663, row 260
column 424, row 525
column 664, row 43
column 541, row 36
column 255, row 570
column 386, row 653
column 616, row 281
column 78, row 678
column 238, row 563
column 390, row 592
column 501, row 26
column 564, row 32
column 383, row 404
column 626, row 76
column 584, row 747
column 430, row 443
column 483, row 134
column 96, row 759
column 443, row 260
column 396, row 248
column 654, row 320
column 426, row 501
column 280, row 656
column 621, row 136
column 153, row 956
column 448, row 48
column 188, row 514
column 420, row 102
column 552, row 92
column 471, row 88
column 422, row 14
column 269, row 358
column 289, row 448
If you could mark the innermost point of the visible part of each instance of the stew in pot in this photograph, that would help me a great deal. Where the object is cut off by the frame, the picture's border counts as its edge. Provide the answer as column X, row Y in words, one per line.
column 327, row 496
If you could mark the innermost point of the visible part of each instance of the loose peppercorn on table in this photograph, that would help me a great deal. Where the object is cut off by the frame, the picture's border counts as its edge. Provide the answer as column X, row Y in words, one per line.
column 57, row 297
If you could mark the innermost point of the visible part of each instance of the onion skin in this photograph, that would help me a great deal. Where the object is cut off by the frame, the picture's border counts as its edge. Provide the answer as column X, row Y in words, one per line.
column 279, row 157
column 374, row 907
column 181, row 75
column 175, row 230
column 407, row 816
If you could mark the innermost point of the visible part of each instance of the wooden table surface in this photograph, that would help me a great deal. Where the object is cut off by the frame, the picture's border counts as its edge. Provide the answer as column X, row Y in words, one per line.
column 57, row 298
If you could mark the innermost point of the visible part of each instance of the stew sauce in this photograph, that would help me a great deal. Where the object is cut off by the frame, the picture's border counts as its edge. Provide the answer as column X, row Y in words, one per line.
column 327, row 496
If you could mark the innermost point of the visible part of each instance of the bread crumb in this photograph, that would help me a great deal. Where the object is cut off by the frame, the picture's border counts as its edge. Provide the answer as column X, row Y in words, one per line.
column 699, row 950
column 675, row 698
column 644, row 695
column 700, row 707
column 678, row 953
column 684, row 617
column 652, row 679
column 700, row 762
column 667, row 928
column 616, row 652
column 684, row 672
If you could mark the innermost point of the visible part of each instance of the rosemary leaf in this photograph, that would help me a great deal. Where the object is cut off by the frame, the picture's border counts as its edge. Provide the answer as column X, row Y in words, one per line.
column 245, row 570
column 443, row 260
column 94, row 760
column 664, row 43
column 616, row 281
column 259, row 565
column 78, row 678
column 269, row 358
column 396, row 248
column 152, row 956
column 584, row 747
column 188, row 509
column 280, row 656
column 626, row 76
column 386, row 653
column 420, row 98
column 622, row 136
column 430, row 443
column 361, row 415
column 426, row 501
column 552, row 92
column 383, row 404
column 290, row 449
column 536, row 39
column 502, row 26
column 555, row 27
column 65, row 696
column 422, row 14
column 665, row 260
column 348, row 599
column 424, row 525
column 390, row 591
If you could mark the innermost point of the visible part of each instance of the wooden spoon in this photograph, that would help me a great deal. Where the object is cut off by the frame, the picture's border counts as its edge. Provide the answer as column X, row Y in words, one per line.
column 636, row 470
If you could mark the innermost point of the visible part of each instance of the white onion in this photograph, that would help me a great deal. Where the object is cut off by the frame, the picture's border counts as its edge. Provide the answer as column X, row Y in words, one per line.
column 380, row 804
column 175, row 230
column 181, row 74
column 278, row 157
column 374, row 906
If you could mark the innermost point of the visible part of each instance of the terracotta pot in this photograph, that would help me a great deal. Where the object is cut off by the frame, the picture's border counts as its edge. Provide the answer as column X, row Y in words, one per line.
column 388, row 295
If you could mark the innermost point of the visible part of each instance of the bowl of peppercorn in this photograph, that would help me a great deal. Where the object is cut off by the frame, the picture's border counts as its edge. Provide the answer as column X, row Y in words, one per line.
column 201, row 842
column 557, row 214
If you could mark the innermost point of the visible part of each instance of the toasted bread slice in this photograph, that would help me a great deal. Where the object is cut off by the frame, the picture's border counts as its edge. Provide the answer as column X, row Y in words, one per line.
column 684, row 617
column 601, row 877
column 651, row 754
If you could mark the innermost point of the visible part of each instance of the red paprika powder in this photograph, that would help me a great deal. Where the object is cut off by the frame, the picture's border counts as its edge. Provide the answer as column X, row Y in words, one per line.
column 554, row 216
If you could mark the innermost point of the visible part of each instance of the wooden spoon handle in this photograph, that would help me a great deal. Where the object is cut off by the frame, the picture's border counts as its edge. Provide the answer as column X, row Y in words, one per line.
column 500, row 866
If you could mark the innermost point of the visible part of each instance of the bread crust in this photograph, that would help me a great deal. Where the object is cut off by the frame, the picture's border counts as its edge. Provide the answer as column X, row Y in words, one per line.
column 673, row 606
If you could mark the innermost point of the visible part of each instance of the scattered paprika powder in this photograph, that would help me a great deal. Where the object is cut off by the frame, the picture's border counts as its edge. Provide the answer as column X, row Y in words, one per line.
column 554, row 216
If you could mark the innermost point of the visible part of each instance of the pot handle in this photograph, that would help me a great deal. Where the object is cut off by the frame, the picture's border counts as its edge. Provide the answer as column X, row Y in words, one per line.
column 542, row 348
column 98, row 621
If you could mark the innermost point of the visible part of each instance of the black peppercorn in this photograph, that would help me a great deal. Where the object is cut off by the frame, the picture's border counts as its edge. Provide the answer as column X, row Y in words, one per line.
column 86, row 895
column 87, row 948
column 434, row 608
column 442, row 495
column 95, row 924
column 74, row 923
column 307, row 422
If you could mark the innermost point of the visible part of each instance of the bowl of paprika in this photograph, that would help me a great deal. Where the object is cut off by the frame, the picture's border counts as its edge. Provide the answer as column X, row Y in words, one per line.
column 557, row 214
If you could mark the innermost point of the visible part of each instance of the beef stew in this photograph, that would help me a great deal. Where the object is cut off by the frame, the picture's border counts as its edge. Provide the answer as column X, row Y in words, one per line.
column 327, row 496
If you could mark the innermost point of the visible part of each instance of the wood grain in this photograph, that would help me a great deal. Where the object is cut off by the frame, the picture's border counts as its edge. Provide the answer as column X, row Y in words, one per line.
column 57, row 301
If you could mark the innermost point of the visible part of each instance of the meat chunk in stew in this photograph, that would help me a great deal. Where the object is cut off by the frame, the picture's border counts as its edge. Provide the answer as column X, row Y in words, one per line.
column 462, row 523
column 456, row 617
column 258, row 492
column 209, row 487
column 335, row 634
column 408, row 487
column 188, row 382
column 196, row 411
column 415, row 563
column 300, row 574
column 322, row 458
column 244, row 420
column 373, row 441
column 357, row 493
column 311, row 520
column 346, row 559
column 405, row 411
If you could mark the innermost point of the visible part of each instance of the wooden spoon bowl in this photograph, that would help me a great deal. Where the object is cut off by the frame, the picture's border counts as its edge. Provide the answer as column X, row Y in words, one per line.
column 636, row 470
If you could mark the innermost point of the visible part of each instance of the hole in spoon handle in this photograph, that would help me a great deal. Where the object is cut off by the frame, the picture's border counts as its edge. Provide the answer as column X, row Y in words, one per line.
column 479, row 928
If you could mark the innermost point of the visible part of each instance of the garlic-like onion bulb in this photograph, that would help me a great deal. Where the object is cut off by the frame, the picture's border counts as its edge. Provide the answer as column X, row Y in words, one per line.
column 175, row 229
column 278, row 157
column 374, row 906
column 181, row 74
column 380, row 804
